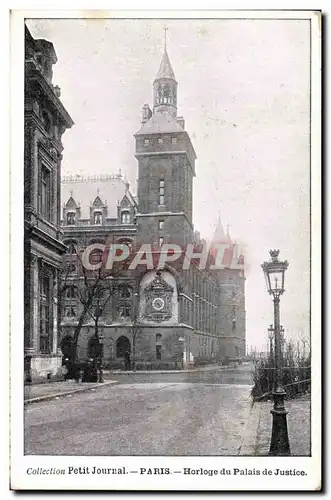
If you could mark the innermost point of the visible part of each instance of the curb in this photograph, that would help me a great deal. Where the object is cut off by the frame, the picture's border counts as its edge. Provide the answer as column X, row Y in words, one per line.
column 144, row 372
column 62, row 394
column 249, row 441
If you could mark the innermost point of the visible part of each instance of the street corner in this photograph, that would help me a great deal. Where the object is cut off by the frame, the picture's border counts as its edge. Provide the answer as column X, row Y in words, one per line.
column 42, row 392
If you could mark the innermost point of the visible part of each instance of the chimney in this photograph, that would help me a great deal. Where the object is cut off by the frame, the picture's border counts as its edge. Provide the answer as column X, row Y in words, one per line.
column 147, row 113
column 181, row 122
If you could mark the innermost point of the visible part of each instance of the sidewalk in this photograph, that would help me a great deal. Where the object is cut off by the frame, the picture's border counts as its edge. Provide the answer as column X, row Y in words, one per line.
column 258, row 431
column 42, row 392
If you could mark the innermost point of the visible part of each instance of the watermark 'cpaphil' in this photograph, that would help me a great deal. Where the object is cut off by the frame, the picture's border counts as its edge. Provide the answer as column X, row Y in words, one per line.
column 215, row 257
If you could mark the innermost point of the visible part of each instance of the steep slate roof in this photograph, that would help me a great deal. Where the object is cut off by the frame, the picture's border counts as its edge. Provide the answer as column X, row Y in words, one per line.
column 160, row 123
column 165, row 70
column 85, row 190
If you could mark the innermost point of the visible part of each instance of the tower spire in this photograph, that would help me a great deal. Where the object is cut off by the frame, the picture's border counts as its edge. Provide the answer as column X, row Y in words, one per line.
column 165, row 85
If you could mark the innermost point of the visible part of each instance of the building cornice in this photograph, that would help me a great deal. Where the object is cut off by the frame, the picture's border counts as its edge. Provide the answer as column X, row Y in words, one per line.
column 32, row 74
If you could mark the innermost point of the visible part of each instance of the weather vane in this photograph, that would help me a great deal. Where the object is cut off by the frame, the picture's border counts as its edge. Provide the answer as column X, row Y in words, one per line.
column 165, row 37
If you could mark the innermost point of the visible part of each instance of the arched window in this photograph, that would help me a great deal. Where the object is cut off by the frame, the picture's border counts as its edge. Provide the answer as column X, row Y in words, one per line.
column 167, row 95
column 125, row 217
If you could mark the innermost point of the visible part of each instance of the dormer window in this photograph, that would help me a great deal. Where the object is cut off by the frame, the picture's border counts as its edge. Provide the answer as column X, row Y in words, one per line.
column 125, row 217
column 98, row 218
column 71, row 218
column 146, row 142
column 174, row 140
column 160, row 140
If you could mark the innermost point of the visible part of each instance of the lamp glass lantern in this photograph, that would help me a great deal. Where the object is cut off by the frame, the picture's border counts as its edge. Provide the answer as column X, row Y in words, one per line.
column 274, row 273
column 271, row 331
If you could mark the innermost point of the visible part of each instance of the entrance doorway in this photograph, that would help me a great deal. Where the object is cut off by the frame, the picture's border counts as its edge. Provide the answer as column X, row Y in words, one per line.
column 123, row 350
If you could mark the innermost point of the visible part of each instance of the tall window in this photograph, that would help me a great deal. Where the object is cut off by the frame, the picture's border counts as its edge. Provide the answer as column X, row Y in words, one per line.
column 70, row 305
column 161, row 224
column 71, row 216
column 45, row 314
column 161, row 192
column 97, row 218
column 47, row 122
column 124, row 302
column 161, row 239
column 45, row 193
column 234, row 319
column 125, row 217
column 158, row 347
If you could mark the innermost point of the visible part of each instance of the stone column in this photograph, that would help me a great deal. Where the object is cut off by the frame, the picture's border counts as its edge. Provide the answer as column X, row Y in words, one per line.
column 35, row 171
column 35, row 317
column 55, row 312
column 29, row 330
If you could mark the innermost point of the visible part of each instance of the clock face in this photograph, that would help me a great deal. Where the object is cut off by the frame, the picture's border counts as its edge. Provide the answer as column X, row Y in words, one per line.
column 158, row 304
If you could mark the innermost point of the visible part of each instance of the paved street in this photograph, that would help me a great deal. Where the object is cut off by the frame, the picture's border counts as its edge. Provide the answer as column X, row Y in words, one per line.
column 202, row 413
column 240, row 375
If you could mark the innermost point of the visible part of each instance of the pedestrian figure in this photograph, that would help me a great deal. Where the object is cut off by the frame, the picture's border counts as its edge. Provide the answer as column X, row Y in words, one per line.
column 127, row 361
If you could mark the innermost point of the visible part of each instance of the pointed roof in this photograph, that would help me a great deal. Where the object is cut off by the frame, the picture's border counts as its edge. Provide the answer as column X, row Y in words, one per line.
column 98, row 202
column 71, row 203
column 165, row 70
column 219, row 234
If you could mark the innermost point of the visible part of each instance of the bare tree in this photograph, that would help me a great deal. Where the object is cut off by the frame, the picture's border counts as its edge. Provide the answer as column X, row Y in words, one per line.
column 135, row 329
column 93, row 291
column 94, row 296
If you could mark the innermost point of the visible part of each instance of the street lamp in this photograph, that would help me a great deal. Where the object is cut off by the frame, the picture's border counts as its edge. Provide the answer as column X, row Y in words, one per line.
column 271, row 336
column 274, row 272
column 100, row 360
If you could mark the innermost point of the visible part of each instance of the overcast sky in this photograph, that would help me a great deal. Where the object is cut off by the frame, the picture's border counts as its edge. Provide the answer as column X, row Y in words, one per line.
column 243, row 89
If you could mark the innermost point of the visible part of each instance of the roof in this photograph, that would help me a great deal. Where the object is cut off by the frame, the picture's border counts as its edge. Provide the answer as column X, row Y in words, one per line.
column 165, row 70
column 84, row 190
column 160, row 122
column 219, row 234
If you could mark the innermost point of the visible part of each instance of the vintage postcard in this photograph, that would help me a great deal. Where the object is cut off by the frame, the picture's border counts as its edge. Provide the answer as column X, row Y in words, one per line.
column 165, row 211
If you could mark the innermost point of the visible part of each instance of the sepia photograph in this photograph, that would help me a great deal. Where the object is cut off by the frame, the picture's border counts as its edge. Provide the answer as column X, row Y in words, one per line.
column 169, row 171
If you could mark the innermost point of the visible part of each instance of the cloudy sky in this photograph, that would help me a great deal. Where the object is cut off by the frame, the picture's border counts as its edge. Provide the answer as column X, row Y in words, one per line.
column 243, row 89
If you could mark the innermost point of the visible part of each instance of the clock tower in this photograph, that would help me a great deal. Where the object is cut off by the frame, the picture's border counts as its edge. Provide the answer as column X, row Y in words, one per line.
column 166, row 166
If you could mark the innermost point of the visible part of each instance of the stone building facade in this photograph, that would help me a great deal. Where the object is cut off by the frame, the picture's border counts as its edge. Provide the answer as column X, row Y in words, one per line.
column 45, row 120
column 171, row 315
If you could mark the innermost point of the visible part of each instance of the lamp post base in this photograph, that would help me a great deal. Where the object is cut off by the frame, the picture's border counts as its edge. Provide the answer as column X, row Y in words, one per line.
column 279, row 445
